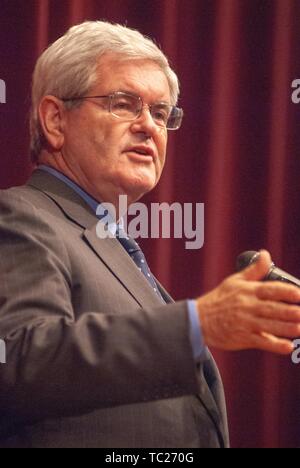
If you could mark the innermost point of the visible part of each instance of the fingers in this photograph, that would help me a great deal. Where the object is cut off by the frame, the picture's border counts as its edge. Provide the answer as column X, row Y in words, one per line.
column 258, row 270
column 276, row 291
column 278, row 311
column 276, row 328
column 267, row 342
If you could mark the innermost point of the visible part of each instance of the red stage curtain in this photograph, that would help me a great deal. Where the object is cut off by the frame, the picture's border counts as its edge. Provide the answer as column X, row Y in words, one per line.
column 238, row 152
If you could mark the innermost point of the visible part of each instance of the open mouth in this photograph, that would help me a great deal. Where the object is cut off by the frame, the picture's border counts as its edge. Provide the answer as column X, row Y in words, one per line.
column 142, row 153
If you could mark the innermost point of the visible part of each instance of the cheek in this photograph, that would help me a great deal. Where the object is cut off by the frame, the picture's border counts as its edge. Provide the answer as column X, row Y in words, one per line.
column 162, row 149
column 108, row 137
column 80, row 139
column 99, row 143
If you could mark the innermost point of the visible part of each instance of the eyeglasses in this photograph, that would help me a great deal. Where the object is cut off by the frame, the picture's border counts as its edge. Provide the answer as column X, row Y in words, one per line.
column 129, row 107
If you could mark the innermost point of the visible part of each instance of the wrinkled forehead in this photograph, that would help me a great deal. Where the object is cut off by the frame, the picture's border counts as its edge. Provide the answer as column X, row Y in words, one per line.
column 142, row 77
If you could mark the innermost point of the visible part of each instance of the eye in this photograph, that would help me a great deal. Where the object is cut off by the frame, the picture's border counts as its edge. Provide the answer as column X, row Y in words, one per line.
column 160, row 113
column 123, row 104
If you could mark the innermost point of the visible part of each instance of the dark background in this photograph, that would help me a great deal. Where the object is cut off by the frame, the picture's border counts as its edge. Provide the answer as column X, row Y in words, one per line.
column 238, row 152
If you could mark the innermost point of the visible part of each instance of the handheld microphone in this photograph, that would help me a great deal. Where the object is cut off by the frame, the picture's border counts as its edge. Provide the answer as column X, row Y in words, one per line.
column 275, row 274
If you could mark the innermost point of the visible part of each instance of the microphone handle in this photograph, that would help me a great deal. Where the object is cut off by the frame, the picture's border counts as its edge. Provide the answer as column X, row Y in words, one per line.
column 276, row 274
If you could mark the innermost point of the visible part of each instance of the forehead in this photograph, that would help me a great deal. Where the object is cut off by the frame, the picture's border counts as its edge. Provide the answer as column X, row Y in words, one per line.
column 139, row 76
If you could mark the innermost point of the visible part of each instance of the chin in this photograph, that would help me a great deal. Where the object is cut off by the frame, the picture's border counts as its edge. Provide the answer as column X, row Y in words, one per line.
column 137, row 187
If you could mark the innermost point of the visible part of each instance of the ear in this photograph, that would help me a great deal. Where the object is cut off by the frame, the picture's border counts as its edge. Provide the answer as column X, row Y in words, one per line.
column 51, row 116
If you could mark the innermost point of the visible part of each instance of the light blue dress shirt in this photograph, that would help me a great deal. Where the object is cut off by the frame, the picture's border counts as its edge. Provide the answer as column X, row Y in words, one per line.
column 196, row 336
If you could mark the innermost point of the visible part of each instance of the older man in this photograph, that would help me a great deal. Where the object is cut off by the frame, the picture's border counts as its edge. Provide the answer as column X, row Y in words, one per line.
column 98, row 353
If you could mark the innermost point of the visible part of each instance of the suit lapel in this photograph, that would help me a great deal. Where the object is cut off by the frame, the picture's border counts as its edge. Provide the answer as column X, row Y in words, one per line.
column 109, row 250
column 165, row 295
column 123, row 267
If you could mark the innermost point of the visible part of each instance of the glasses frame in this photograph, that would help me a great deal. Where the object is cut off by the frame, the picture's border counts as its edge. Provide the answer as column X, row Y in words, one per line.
column 121, row 93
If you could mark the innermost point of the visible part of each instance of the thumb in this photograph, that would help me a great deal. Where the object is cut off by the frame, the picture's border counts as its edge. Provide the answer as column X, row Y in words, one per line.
column 258, row 269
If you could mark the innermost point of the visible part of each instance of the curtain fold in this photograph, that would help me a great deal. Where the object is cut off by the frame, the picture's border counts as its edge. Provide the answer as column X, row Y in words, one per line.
column 237, row 152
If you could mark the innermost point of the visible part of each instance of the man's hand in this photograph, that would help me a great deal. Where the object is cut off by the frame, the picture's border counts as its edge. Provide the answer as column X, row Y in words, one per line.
column 244, row 313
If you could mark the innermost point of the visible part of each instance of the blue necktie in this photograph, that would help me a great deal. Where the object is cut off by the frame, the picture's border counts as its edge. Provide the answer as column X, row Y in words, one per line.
column 135, row 252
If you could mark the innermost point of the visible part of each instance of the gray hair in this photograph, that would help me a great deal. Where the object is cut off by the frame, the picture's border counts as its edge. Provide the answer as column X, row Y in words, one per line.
column 68, row 67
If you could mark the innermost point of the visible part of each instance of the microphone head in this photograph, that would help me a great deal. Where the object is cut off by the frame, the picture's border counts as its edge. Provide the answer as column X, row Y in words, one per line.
column 245, row 259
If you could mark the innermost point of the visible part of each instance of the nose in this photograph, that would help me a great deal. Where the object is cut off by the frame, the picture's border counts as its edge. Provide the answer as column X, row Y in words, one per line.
column 144, row 123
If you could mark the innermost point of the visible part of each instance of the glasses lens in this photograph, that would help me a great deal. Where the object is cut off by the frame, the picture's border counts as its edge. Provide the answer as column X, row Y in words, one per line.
column 125, row 106
column 175, row 119
column 161, row 113
column 128, row 107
